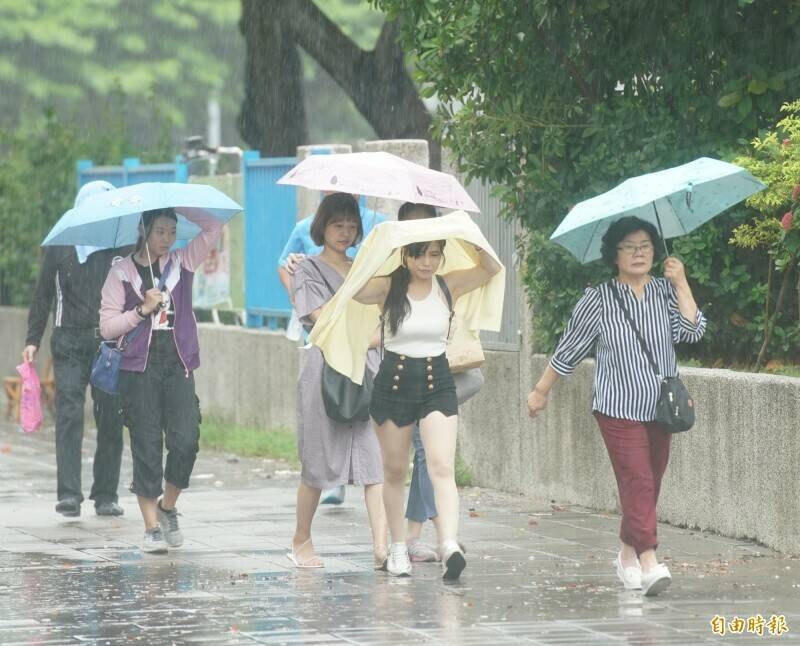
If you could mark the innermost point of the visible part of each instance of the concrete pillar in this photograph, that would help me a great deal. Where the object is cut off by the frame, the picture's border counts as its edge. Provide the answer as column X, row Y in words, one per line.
column 415, row 150
column 307, row 200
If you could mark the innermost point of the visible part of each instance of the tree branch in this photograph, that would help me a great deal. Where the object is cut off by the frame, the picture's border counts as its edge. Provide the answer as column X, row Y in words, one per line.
column 377, row 81
column 321, row 38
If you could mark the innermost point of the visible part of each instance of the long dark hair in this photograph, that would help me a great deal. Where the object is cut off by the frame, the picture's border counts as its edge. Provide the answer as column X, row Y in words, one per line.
column 397, row 306
column 148, row 218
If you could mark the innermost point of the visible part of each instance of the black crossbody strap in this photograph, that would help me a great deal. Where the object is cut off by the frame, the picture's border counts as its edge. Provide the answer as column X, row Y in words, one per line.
column 635, row 329
column 321, row 275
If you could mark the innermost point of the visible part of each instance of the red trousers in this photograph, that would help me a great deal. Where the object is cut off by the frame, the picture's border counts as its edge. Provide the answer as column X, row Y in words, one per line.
column 639, row 453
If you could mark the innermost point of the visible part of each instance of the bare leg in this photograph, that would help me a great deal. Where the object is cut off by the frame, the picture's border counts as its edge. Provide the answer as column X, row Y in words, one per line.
column 148, row 507
column 438, row 434
column 437, row 523
column 170, row 497
column 307, row 501
column 373, row 499
column 413, row 530
column 628, row 557
column 648, row 560
column 395, row 444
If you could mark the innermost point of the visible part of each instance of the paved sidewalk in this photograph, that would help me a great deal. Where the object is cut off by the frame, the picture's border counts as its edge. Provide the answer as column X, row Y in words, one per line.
column 537, row 572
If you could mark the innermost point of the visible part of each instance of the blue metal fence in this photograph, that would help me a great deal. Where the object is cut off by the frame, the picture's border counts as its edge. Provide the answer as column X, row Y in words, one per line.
column 270, row 215
column 132, row 171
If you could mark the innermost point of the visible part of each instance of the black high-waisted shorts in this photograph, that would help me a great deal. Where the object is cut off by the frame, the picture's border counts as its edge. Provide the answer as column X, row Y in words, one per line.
column 407, row 389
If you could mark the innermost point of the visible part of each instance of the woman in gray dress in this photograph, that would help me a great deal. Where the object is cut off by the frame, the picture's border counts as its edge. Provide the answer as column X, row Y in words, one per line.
column 331, row 453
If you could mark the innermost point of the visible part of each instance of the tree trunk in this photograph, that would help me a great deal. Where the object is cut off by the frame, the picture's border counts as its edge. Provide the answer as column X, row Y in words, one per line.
column 770, row 323
column 273, row 117
column 377, row 81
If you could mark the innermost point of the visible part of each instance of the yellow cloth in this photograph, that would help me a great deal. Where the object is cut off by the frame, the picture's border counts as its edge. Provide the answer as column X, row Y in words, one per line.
column 345, row 326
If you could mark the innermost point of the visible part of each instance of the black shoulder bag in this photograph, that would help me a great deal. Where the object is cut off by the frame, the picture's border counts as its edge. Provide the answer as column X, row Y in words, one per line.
column 675, row 407
column 345, row 401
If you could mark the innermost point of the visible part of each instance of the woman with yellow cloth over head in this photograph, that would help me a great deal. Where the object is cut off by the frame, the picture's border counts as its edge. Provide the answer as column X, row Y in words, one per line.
column 394, row 283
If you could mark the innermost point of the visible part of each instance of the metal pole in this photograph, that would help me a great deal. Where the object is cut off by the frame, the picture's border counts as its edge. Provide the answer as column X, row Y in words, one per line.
column 660, row 230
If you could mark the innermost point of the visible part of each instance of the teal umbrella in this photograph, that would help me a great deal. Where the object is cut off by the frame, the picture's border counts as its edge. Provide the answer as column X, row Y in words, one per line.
column 676, row 200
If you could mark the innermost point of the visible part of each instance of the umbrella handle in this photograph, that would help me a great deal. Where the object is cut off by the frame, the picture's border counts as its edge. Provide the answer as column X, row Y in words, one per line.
column 149, row 263
column 150, row 267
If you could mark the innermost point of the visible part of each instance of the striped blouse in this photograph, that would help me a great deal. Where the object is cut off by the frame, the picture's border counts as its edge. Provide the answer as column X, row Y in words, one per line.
column 625, row 386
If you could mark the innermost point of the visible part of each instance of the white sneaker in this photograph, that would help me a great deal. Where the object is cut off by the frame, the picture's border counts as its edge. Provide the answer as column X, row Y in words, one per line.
column 453, row 561
column 630, row 576
column 154, row 542
column 656, row 580
column 398, row 563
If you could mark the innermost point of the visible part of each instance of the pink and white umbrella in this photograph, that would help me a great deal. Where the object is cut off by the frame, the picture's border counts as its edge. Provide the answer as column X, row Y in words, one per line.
column 383, row 175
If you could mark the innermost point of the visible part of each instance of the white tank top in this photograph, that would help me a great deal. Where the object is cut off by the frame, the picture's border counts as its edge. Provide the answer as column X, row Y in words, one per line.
column 423, row 333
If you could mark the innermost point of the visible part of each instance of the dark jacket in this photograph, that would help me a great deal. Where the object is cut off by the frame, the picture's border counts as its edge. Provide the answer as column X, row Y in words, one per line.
column 73, row 288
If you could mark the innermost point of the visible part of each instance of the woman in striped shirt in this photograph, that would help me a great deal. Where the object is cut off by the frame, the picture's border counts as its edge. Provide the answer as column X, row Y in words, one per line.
column 625, row 387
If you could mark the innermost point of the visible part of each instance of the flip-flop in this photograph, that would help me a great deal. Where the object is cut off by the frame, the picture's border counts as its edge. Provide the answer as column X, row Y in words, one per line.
column 305, row 565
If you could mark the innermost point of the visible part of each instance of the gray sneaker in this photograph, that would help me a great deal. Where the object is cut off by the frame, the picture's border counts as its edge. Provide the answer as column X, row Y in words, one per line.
column 154, row 542
column 169, row 525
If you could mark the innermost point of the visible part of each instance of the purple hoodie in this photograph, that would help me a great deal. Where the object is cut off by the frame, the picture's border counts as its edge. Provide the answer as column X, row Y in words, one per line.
column 122, row 292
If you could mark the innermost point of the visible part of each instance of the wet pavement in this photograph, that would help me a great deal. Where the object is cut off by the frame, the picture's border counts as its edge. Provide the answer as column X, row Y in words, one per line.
column 538, row 572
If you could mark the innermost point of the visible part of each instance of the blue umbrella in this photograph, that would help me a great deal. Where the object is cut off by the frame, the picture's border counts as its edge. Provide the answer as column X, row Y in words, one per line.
column 676, row 200
column 111, row 218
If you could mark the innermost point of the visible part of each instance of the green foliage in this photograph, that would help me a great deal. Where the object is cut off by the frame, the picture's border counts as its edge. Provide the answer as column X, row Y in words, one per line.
column 557, row 101
column 73, row 55
column 78, row 53
column 276, row 443
column 37, row 183
column 775, row 159
column 463, row 473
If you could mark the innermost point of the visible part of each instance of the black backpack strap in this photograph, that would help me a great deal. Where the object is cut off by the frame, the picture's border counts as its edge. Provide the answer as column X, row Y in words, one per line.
column 449, row 298
column 635, row 329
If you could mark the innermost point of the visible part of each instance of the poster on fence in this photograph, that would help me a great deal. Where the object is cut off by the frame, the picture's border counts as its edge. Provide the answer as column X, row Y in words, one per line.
column 212, row 280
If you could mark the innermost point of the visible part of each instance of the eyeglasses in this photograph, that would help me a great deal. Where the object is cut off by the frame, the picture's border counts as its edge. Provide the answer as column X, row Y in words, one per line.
column 631, row 249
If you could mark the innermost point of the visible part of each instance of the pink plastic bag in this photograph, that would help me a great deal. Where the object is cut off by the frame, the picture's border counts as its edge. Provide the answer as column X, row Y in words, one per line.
column 30, row 401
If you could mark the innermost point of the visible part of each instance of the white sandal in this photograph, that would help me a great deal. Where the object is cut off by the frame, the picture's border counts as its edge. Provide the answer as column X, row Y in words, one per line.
column 306, row 564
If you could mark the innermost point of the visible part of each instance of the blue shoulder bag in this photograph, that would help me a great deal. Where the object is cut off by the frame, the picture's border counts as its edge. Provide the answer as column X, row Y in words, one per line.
column 105, row 367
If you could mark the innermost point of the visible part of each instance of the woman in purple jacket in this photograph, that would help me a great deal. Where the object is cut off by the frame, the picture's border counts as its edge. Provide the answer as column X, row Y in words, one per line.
column 156, row 380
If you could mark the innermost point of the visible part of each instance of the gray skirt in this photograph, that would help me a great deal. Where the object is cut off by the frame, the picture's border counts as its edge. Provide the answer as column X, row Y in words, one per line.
column 332, row 454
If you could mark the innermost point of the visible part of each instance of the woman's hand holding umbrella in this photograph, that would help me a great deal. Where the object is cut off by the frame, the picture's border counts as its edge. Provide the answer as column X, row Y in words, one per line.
column 153, row 300
column 674, row 272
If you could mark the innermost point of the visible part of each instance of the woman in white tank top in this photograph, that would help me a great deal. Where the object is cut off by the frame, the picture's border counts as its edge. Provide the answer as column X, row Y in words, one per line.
column 414, row 385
